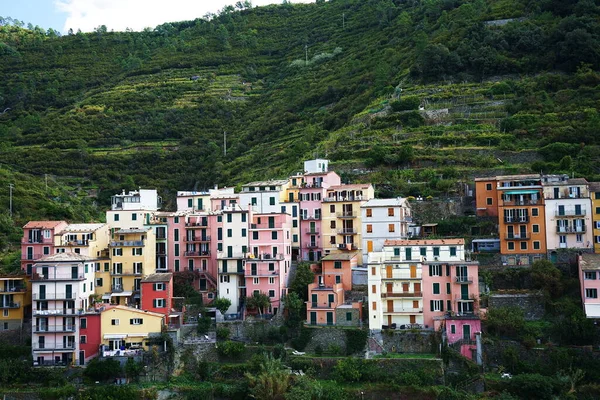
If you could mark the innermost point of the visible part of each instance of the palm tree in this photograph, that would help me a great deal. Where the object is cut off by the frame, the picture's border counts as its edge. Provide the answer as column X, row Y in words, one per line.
column 258, row 301
column 271, row 382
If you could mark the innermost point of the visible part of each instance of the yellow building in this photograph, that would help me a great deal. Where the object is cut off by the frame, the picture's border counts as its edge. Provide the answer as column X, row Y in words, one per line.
column 128, row 328
column 132, row 257
column 595, row 196
column 342, row 221
column 15, row 297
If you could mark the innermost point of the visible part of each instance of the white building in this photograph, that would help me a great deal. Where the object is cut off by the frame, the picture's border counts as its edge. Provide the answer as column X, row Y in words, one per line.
column 568, row 213
column 316, row 166
column 383, row 219
column 61, row 288
column 264, row 197
column 133, row 209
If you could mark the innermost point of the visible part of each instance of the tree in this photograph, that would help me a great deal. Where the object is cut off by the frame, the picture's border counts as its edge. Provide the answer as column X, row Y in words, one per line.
column 258, row 301
column 272, row 381
column 222, row 304
column 293, row 306
column 547, row 277
column 304, row 277
column 505, row 320
column 132, row 369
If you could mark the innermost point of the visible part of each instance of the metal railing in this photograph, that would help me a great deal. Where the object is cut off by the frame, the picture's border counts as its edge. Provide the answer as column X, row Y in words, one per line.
column 127, row 243
column 57, row 311
column 205, row 238
column 517, row 236
column 463, row 279
column 54, row 328
column 196, row 253
column 346, row 214
column 347, row 231
column 516, row 219
column 50, row 347
column 57, row 277
column 10, row 305
column 400, row 295
column 571, row 212
column 54, row 296
column 570, row 229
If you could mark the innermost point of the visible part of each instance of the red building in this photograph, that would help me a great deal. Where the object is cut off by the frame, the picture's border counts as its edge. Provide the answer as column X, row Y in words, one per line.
column 38, row 241
column 157, row 296
column 89, row 337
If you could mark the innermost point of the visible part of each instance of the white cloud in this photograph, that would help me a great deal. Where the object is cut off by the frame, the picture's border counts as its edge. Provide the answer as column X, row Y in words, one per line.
column 118, row 15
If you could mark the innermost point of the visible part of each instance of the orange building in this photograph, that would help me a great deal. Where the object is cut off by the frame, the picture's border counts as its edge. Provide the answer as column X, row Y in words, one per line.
column 518, row 202
column 337, row 268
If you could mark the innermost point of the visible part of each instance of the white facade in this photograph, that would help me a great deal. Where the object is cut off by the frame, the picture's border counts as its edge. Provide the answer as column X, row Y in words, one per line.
column 263, row 197
column 61, row 288
column 132, row 210
column 193, row 201
column 568, row 213
column 383, row 219
column 314, row 166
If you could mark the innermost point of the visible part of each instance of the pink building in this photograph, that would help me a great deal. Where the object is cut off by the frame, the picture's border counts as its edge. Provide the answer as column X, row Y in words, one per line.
column 312, row 190
column 270, row 256
column 199, row 253
column 38, row 241
column 589, row 282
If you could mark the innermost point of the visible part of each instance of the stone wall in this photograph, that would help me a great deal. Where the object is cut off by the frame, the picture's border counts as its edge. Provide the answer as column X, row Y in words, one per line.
column 532, row 304
column 327, row 338
column 340, row 316
column 410, row 342
column 435, row 210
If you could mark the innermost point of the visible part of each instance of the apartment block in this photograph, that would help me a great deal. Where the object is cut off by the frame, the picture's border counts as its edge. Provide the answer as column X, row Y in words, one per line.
column 86, row 239
column 383, row 219
column 133, row 209
column 264, row 197
column 15, row 299
column 126, row 330
column 589, row 282
column 201, row 230
column 159, row 223
column 38, row 241
column 61, row 288
column 157, row 296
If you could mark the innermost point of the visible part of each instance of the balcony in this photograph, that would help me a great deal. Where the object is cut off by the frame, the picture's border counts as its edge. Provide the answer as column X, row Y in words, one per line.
column 12, row 289
column 401, row 275
column 525, row 202
column 161, row 252
column 232, row 270
column 74, row 242
column 36, row 241
column 570, row 213
column 312, row 246
column 57, row 277
column 120, row 289
column 331, row 199
column 310, row 217
column 312, row 231
column 261, row 272
column 347, row 246
column 161, row 236
column 57, row 311
column 462, row 297
column 518, row 236
column 127, row 243
column 516, row 220
column 54, row 328
column 126, row 272
column 401, row 295
column 205, row 238
column 265, row 256
column 346, row 214
column 9, row 304
column 277, row 225
column 223, row 255
column 347, row 231
column 570, row 229
column 324, row 306
column 196, row 253
column 202, row 224
column 400, row 310
column 32, row 256
column 54, row 347
column 55, row 296
column 463, row 279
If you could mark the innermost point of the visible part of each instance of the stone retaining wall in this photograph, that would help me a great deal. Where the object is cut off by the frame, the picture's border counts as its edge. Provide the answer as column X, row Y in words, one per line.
column 532, row 304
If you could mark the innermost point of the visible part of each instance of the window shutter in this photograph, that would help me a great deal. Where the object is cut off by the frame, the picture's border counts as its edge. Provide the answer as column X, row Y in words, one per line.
column 154, row 286
column 154, row 303
column 431, row 270
column 448, row 269
column 431, row 304
column 441, row 305
column 131, row 321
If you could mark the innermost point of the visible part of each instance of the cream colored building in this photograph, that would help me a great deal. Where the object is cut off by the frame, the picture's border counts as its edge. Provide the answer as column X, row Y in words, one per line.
column 128, row 328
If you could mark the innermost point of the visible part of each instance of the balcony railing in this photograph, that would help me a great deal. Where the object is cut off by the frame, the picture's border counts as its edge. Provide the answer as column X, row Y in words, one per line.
column 463, row 279
column 260, row 272
column 347, row 231
column 403, row 294
column 277, row 225
column 570, row 229
column 161, row 236
column 50, row 347
column 74, row 242
column 205, row 238
column 36, row 241
column 265, row 256
column 55, row 296
column 463, row 297
column 402, row 275
column 127, row 272
column 400, row 310
column 121, row 288
column 10, row 305
column 347, row 246
column 127, row 243
column 197, row 253
column 516, row 220
column 12, row 289
column 312, row 245
column 57, row 277
column 571, row 212
column 310, row 217
column 342, row 198
column 55, row 328
column 521, row 202
column 518, row 236
column 222, row 255
column 233, row 270
column 33, row 256
column 346, row 214
column 57, row 311
column 314, row 231
column 196, row 224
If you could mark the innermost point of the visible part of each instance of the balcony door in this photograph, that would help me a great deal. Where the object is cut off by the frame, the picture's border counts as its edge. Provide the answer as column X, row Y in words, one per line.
column 68, row 291
column 467, row 332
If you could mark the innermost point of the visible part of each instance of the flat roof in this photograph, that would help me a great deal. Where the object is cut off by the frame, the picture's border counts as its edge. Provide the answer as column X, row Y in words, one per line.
column 339, row 256
column 82, row 227
column 158, row 277
column 134, row 230
column 350, row 186
column 64, row 257
column 423, row 242
column 274, row 182
column 589, row 261
column 398, row 201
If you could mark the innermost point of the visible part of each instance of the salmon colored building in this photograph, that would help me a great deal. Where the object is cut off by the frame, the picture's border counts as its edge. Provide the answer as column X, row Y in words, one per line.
column 337, row 268
column 38, row 241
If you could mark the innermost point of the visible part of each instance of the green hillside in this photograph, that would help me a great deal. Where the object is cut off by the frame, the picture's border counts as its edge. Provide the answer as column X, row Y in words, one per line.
column 413, row 96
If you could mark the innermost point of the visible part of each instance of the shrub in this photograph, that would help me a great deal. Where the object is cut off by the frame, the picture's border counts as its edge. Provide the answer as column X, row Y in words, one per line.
column 409, row 379
column 406, row 103
column 231, row 349
column 223, row 333
column 532, row 386
column 348, row 370
column 356, row 340
column 319, row 350
column 302, row 340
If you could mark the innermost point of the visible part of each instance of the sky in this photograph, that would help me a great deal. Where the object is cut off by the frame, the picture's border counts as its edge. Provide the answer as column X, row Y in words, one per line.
column 117, row 15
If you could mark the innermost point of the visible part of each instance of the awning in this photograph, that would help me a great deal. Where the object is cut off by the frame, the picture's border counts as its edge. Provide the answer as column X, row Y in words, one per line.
column 174, row 316
column 125, row 294
column 115, row 336
column 135, row 335
column 521, row 192
column 106, row 296
column 11, row 279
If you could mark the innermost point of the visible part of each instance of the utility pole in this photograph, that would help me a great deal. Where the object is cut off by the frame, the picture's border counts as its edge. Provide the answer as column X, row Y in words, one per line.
column 306, row 54
column 343, row 20
column 10, row 188
column 224, row 143
column 46, row 179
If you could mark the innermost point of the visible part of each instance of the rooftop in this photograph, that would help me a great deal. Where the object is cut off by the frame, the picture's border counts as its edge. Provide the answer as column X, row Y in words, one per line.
column 82, row 227
column 398, row 201
column 352, row 186
column 339, row 256
column 108, row 307
column 594, row 186
column 134, row 230
column 274, row 182
column 589, row 262
column 43, row 224
column 159, row 277
column 424, row 242
column 65, row 257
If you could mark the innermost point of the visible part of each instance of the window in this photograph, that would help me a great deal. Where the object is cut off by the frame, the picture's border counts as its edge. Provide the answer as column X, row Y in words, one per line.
column 253, row 201
column 452, row 329
column 294, row 223
column 373, row 289
column 117, row 251
column 136, row 321
column 255, row 235
column 176, row 235
column 158, row 287
column 229, row 232
column 348, row 316
column 374, row 305
column 272, row 201
column 390, row 212
column 488, row 186
column 337, row 264
column 534, row 212
column 46, row 250
column 338, row 279
column 489, row 201
column 271, row 280
column 114, row 322
column 83, row 339
column 176, row 249
column 271, row 266
column 510, row 245
column 274, row 235
column 523, row 245
column 176, row 266
column 332, row 208
column 391, row 228
column 106, row 267
column 423, row 251
column 136, row 251
column 436, row 251
column 229, row 217
column 579, row 238
column 536, row 245
column 436, row 288
column 408, row 253
column 294, row 238
column 597, row 210
column 116, row 217
column 5, row 313
column 435, row 270
column 190, row 203
column 99, row 282
column 271, row 293
column 255, row 281
column 591, row 293
column 437, row 305
column 369, row 228
column 243, row 232
column 447, row 287
column 597, row 195
column 589, row 275
column 535, row 228
column 452, row 251
column 134, row 217
column 160, row 303
column 369, row 212
column 176, row 220
column 219, row 218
